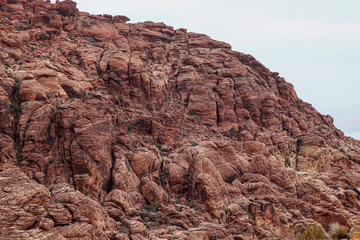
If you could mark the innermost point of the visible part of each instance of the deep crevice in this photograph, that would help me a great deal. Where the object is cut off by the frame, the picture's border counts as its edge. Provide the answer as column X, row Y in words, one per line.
column 15, row 110
column 109, row 185
column 217, row 114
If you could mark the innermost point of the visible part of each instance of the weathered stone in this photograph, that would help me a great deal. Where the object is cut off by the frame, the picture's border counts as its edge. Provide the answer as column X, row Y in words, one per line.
column 107, row 126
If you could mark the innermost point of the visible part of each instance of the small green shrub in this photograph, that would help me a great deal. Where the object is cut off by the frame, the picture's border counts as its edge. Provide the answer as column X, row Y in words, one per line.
column 22, row 28
column 19, row 158
column 191, row 204
column 51, row 142
column 153, row 207
column 164, row 153
column 17, row 146
column 227, row 210
column 153, row 218
column 15, row 78
column 123, row 229
column 191, row 112
column 144, row 214
column 338, row 231
column 312, row 232
column 243, row 207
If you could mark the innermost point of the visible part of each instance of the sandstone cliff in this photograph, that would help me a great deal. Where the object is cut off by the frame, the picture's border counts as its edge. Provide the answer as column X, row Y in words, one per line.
column 114, row 130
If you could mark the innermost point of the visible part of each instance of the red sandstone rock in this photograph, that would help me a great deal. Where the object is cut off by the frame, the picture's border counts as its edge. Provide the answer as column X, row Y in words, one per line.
column 67, row 8
column 115, row 131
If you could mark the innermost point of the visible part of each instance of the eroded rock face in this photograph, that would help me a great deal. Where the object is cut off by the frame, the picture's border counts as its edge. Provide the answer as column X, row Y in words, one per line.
column 112, row 130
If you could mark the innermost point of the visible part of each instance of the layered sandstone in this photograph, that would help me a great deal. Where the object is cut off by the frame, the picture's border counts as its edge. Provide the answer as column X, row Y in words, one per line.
column 115, row 130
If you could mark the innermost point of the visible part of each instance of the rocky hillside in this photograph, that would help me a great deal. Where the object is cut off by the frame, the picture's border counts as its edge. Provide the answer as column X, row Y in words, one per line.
column 115, row 130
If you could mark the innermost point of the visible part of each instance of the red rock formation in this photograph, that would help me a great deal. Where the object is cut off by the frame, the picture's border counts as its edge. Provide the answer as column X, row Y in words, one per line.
column 115, row 131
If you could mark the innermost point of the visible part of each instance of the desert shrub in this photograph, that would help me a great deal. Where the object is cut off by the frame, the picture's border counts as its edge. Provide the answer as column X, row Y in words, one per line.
column 153, row 207
column 22, row 28
column 124, row 229
column 190, row 204
column 144, row 214
column 19, row 158
column 312, row 232
column 338, row 231
column 227, row 210
column 52, row 160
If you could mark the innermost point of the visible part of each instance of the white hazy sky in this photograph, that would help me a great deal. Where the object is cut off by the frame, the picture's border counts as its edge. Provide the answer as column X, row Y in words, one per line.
column 314, row 44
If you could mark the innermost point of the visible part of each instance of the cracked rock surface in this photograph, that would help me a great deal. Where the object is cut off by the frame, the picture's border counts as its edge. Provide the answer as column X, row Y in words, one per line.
column 116, row 130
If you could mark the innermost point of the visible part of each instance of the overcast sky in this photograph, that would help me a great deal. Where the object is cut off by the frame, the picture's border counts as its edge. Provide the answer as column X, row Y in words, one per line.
column 313, row 44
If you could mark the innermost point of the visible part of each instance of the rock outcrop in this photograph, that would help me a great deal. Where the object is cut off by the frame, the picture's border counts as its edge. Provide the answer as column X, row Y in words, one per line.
column 116, row 130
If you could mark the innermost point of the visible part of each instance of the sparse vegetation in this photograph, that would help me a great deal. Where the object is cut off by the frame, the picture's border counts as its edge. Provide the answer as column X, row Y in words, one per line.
column 19, row 158
column 17, row 147
column 153, row 207
column 22, row 28
column 338, row 231
column 190, row 204
column 124, row 229
column 52, row 160
column 144, row 214
column 312, row 232
column 164, row 153
column 51, row 142
column 137, row 122
column 16, row 79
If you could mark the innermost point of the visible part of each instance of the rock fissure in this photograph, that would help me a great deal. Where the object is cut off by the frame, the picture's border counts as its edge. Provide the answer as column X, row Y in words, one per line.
column 169, row 131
